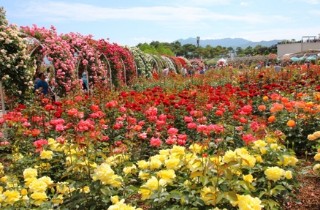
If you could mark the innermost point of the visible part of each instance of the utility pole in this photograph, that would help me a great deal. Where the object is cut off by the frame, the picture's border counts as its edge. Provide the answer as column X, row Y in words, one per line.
column 198, row 41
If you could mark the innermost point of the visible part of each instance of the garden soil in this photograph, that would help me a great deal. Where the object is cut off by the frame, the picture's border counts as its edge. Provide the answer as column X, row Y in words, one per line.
column 308, row 194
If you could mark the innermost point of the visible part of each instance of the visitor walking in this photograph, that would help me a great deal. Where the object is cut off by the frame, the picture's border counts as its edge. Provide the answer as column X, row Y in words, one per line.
column 84, row 79
column 41, row 86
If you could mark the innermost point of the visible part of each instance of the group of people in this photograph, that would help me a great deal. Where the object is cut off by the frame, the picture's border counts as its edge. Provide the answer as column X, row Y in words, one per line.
column 44, row 86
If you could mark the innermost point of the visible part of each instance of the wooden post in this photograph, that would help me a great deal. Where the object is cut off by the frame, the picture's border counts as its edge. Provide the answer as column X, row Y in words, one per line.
column 124, row 73
column 110, row 73
column 2, row 99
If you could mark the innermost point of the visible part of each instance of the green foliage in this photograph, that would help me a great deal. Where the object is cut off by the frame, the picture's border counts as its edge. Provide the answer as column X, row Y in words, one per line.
column 155, row 49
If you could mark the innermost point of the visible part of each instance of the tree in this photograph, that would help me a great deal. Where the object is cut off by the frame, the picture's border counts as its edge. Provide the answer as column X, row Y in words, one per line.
column 3, row 20
column 15, row 73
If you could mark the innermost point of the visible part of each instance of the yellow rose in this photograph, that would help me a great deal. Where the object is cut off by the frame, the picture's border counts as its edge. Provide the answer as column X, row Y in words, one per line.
column 28, row 181
column 178, row 150
column 115, row 181
column 229, row 156
column 274, row 173
column 275, row 147
column 270, row 139
column 106, row 175
column 259, row 158
column 24, row 192
column 172, row 163
column 142, row 164
column 187, row 183
column 155, row 163
column 248, row 160
column 247, row 178
column 241, row 151
column 114, row 199
column 316, row 168
column 145, row 193
column 62, row 187
column 311, row 137
column 57, row 200
column 209, row 195
column 144, row 175
column 130, row 169
column 4, row 179
column 38, row 186
column 288, row 175
column 164, row 152
column 152, row 183
column 216, row 160
column 167, row 175
column 196, row 148
column 246, row 202
column 162, row 158
column 39, row 197
column 86, row 189
column 30, row 173
column 289, row 160
column 47, row 180
column 11, row 196
column 317, row 134
column 317, row 157
column 45, row 154
column 54, row 145
column 263, row 150
column 259, row 144
column 1, row 169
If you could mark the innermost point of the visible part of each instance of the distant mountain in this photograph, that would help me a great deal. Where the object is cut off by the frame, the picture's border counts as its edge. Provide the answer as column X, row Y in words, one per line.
column 228, row 42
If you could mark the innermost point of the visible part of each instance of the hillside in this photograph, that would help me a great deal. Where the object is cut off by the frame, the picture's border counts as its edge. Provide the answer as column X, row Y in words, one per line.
column 228, row 42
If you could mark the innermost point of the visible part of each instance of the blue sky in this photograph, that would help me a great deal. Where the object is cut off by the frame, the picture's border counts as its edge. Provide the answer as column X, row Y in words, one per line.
column 129, row 22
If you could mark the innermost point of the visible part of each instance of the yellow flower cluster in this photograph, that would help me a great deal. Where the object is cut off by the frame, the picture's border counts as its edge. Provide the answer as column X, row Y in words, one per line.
column 316, row 168
column 46, row 154
column 130, row 169
column 1, row 169
column 106, row 175
column 240, row 155
column 209, row 195
column 117, row 159
column 120, row 205
column 147, row 189
column 56, row 146
column 275, row 173
column 314, row 136
column 246, row 202
column 172, row 159
column 37, row 186
column 9, row 197
column 288, row 160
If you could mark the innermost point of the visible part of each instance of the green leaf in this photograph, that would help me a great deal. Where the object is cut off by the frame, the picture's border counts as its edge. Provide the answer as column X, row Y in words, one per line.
column 175, row 195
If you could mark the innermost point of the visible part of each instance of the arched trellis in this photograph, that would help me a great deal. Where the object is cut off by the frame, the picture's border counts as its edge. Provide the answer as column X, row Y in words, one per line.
column 124, row 72
column 38, row 44
column 33, row 50
column 169, row 63
column 109, row 69
column 129, row 66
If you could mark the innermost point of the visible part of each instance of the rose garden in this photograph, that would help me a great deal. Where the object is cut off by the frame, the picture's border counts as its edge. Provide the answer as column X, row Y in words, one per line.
column 226, row 139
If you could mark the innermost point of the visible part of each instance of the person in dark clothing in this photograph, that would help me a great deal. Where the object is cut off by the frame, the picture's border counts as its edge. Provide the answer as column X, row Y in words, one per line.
column 42, row 85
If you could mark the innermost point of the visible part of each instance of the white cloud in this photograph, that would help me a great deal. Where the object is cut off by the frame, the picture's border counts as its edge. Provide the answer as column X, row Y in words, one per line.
column 313, row 1
column 59, row 11
column 200, row 2
column 244, row 4
column 279, row 33
column 308, row 1
column 315, row 12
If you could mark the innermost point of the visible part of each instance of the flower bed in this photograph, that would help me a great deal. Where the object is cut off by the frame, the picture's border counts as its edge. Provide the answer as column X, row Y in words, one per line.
column 225, row 140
